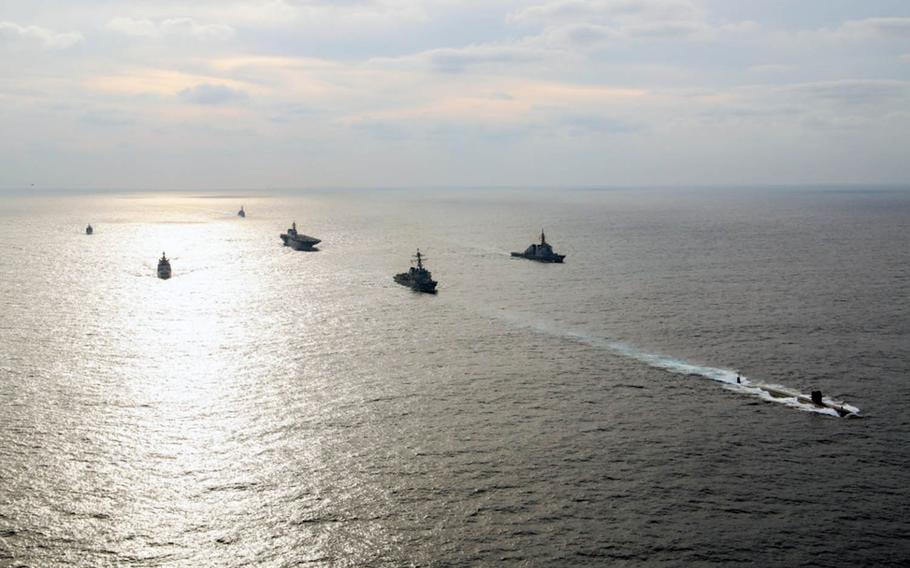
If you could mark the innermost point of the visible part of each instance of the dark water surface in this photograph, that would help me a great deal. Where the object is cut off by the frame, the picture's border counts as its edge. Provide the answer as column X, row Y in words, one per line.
column 267, row 407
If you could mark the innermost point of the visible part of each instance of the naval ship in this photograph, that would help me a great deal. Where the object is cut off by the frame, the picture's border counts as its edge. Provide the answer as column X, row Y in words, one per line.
column 241, row 213
column 164, row 267
column 298, row 241
column 89, row 230
column 814, row 399
column 417, row 277
column 542, row 252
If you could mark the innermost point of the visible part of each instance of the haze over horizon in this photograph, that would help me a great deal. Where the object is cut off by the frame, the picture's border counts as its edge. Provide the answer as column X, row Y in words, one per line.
column 291, row 93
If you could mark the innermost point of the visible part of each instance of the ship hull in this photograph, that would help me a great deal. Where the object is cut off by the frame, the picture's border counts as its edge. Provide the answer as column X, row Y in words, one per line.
column 296, row 244
column 405, row 280
column 164, row 274
column 555, row 259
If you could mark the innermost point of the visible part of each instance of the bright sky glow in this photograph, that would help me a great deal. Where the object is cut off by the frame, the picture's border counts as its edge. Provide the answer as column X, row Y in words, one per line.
column 300, row 93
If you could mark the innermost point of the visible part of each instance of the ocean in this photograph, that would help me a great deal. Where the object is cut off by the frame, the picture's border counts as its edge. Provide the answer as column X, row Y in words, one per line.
column 268, row 407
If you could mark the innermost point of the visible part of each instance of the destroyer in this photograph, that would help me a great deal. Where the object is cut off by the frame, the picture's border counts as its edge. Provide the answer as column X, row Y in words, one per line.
column 417, row 277
column 164, row 267
column 298, row 241
column 542, row 252
column 89, row 230
column 241, row 213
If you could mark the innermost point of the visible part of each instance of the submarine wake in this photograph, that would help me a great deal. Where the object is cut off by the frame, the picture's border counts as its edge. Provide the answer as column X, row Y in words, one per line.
column 730, row 379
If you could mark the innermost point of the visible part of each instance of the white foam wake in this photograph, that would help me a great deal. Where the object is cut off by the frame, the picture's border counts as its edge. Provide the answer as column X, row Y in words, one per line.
column 730, row 379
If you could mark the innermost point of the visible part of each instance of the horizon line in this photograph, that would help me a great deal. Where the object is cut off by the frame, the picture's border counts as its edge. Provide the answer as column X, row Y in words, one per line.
column 498, row 187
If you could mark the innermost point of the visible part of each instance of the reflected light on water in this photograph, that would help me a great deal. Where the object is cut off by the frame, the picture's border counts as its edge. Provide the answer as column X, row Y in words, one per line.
column 272, row 408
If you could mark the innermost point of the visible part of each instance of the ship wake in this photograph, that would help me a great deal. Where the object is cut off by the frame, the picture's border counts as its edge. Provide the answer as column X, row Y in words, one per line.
column 728, row 378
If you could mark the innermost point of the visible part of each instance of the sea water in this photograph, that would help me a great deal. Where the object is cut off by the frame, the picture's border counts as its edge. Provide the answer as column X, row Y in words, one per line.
column 269, row 407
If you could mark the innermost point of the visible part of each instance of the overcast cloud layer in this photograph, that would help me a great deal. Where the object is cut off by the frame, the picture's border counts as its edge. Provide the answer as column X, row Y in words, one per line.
column 301, row 93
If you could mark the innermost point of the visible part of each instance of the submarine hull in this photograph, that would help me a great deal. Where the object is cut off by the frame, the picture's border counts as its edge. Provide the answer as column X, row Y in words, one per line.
column 840, row 408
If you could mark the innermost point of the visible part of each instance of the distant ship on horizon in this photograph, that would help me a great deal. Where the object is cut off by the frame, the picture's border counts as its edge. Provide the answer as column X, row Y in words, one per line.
column 164, row 267
column 241, row 213
column 89, row 230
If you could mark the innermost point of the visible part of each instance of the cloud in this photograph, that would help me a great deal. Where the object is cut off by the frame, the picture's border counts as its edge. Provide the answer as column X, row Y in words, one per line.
column 584, row 81
column 107, row 118
column 604, row 11
column 570, row 28
column 852, row 92
column 586, row 34
column 581, row 34
column 771, row 68
column 583, row 24
column 580, row 124
column 457, row 60
column 813, row 105
column 133, row 27
column 879, row 27
column 456, row 100
column 14, row 35
column 447, row 129
column 212, row 94
column 382, row 130
column 666, row 30
column 292, row 112
column 853, row 32
column 333, row 3
column 156, row 83
column 324, row 15
column 170, row 27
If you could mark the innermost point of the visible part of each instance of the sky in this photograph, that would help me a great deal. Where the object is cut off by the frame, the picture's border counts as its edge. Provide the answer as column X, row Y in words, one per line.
column 242, row 94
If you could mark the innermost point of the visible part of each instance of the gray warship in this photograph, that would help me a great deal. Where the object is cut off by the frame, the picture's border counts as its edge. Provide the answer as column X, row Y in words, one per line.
column 164, row 267
column 241, row 213
column 89, row 230
column 542, row 252
column 417, row 277
column 298, row 241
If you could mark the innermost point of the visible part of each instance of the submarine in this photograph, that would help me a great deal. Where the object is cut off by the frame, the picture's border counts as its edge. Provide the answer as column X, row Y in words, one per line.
column 814, row 399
